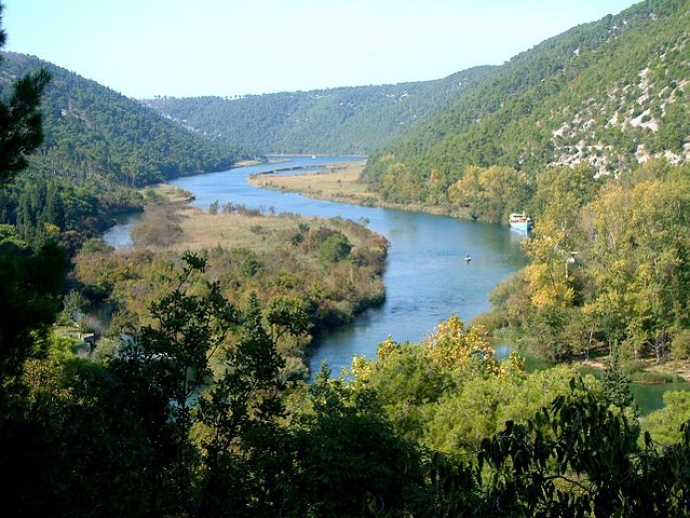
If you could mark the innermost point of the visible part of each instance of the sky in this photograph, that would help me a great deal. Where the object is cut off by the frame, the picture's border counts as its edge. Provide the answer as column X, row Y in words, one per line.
column 190, row 48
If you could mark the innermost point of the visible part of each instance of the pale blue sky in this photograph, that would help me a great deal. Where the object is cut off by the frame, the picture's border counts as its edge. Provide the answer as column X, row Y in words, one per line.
column 144, row 48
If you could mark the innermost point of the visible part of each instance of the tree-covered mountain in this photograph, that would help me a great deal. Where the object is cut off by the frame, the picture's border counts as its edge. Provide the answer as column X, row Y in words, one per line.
column 98, row 146
column 347, row 120
column 610, row 94
column 93, row 133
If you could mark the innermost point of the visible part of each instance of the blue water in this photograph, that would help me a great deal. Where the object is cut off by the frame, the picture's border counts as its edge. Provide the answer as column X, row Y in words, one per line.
column 427, row 278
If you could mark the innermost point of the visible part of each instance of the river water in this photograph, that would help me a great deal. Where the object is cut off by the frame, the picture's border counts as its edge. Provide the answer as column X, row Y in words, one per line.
column 427, row 277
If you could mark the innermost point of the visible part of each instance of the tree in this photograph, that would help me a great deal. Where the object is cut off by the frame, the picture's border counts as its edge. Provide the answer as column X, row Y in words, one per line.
column 616, row 383
column 666, row 424
column 21, row 128
column 29, row 291
column 243, row 451
column 31, row 281
column 640, row 277
column 189, row 328
column 580, row 458
column 491, row 193
column 336, row 247
column 351, row 461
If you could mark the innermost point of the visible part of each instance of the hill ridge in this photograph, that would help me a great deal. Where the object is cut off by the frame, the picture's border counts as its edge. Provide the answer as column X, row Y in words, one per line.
column 339, row 120
column 575, row 98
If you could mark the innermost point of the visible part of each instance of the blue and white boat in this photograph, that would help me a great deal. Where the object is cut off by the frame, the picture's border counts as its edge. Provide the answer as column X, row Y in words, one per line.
column 520, row 222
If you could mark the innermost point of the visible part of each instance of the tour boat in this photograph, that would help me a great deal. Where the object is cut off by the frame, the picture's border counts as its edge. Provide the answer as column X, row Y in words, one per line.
column 520, row 222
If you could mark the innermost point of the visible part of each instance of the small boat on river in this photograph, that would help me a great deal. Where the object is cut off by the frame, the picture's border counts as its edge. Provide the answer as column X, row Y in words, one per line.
column 520, row 222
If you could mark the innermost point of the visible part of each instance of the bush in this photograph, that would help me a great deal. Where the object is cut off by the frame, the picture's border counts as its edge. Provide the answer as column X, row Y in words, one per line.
column 680, row 346
column 335, row 248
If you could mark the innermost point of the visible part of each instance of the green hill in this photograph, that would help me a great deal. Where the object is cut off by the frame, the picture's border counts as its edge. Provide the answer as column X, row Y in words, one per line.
column 98, row 146
column 347, row 120
column 611, row 94
column 94, row 133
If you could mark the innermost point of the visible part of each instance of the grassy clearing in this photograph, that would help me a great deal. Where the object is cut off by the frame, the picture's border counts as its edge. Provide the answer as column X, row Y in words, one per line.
column 342, row 183
column 338, row 182
column 202, row 230
column 166, row 194
column 170, row 224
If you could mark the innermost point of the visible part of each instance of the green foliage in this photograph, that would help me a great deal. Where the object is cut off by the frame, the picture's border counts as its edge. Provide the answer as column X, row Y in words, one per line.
column 187, row 330
column 241, row 445
column 607, row 265
column 616, row 384
column 290, row 316
column 680, row 346
column 335, row 248
column 92, row 131
column 351, row 461
column 607, row 94
column 49, row 208
column 62, row 348
column 665, row 424
column 450, row 392
column 548, row 466
column 21, row 120
column 492, row 193
column 31, row 278
column 30, row 289
column 348, row 120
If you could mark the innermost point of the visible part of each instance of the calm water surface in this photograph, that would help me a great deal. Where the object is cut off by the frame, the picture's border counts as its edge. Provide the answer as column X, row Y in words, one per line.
column 427, row 278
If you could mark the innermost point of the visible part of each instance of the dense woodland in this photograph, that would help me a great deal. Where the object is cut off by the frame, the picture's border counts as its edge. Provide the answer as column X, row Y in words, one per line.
column 345, row 121
column 609, row 94
column 92, row 134
column 98, row 146
column 607, row 266
column 194, row 403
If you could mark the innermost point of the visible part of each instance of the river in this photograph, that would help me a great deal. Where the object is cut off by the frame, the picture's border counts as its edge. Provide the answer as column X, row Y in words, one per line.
column 427, row 278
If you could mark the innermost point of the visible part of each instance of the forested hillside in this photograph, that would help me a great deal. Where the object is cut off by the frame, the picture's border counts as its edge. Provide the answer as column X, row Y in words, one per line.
column 610, row 94
column 98, row 146
column 347, row 120
column 92, row 131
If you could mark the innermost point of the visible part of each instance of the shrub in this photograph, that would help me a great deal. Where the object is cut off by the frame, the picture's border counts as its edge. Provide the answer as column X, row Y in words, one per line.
column 335, row 248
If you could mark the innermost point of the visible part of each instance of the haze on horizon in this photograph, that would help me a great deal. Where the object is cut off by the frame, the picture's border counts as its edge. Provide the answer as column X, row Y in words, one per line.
column 173, row 48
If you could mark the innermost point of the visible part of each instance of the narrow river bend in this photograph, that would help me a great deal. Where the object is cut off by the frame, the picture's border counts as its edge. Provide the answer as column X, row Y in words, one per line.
column 427, row 278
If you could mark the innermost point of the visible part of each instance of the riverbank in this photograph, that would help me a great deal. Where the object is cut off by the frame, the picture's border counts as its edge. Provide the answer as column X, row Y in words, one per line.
column 316, row 272
column 342, row 183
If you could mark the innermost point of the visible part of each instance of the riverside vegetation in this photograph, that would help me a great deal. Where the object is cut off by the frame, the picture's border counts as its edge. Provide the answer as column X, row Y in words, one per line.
column 572, row 265
column 344, row 183
column 197, row 411
column 309, row 274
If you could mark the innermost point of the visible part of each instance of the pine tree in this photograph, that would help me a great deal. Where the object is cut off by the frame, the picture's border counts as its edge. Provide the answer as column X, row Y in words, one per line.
column 616, row 383
column 21, row 129
column 31, row 280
